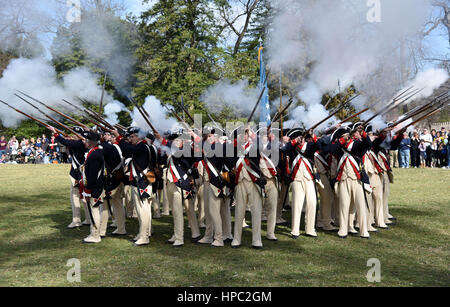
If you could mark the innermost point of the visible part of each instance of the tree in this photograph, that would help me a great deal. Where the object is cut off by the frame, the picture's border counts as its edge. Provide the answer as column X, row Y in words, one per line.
column 237, row 16
column 105, row 43
column 441, row 19
column 178, row 51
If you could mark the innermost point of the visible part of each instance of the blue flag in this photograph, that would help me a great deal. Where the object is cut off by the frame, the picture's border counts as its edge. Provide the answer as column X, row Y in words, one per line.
column 264, row 104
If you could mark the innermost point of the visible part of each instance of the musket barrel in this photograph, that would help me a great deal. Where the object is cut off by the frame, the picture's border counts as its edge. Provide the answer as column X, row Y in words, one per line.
column 57, row 112
column 32, row 118
column 256, row 105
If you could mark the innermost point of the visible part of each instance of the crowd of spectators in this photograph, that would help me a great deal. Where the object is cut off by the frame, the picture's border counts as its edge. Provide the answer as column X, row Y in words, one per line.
column 33, row 151
column 421, row 149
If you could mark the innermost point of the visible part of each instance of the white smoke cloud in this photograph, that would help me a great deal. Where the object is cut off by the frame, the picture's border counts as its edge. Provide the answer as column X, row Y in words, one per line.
column 429, row 80
column 338, row 39
column 313, row 111
column 158, row 117
column 237, row 96
column 111, row 110
column 329, row 40
column 37, row 78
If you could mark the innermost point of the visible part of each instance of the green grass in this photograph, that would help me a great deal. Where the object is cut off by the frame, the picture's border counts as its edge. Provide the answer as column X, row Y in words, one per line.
column 35, row 244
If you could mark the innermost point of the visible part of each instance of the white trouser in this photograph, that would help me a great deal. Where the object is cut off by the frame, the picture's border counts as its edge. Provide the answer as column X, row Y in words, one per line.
column 247, row 193
column 303, row 191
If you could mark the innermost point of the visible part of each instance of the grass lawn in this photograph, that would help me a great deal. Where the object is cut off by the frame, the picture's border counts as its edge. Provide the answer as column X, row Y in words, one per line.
column 35, row 244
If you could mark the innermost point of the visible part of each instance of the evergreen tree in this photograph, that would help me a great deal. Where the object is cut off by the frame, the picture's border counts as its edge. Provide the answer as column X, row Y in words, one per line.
column 178, row 53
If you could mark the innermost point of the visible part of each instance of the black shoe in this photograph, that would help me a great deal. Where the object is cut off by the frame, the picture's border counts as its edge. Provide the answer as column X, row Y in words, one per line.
column 196, row 239
column 235, row 246
column 102, row 237
column 294, row 237
column 273, row 240
column 257, row 247
column 177, row 246
column 118, row 234
column 384, row 228
column 227, row 240
column 169, row 242
column 310, row 236
column 353, row 233
column 342, row 237
column 138, row 245
column 393, row 218
column 367, row 238
column 374, row 231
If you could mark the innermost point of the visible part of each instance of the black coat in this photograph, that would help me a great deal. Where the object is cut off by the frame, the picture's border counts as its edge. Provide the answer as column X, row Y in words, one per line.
column 140, row 154
column 93, row 170
column 77, row 150
column 113, row 161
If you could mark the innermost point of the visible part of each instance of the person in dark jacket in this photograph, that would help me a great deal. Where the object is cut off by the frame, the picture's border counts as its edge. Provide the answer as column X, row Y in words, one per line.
column 77, row 150
column 180, row 162
column 92, row 183
column 404, row 150
column 301, row 151
column 114, row 176
column 142, row 191
column 415, row 152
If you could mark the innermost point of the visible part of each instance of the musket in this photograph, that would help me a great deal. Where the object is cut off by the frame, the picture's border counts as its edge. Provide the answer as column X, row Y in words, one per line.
column 56, row 111
column 420, row 109
column 95, row 117
column 103, row 94
column 256, row 105
column 136, row 104
column 402, row 93
column 396, row 105
column 73, row 106
column 424, row 117
column 178, row 118
column 279, row 114
column 146, row 119
column 342, row 106
column 82, row 110
column 210, row 118
column 144, row 114
column 346, row 120
column 185, row 110
column 49, row 117
column 392, row 105
column 120, row 126
column 34, row 119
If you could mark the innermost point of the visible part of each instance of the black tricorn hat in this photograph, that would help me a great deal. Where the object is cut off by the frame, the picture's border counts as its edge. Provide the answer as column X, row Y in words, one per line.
column 91, row 136
column 133, row 130
column 296, row 132
column 355, row 126
column 369, row 128
column 339, row 133
column 78, row 129
column 150, row 136
column 286, row 131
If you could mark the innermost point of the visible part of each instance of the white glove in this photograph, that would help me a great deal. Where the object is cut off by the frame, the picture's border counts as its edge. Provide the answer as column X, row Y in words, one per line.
column 85, row 194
